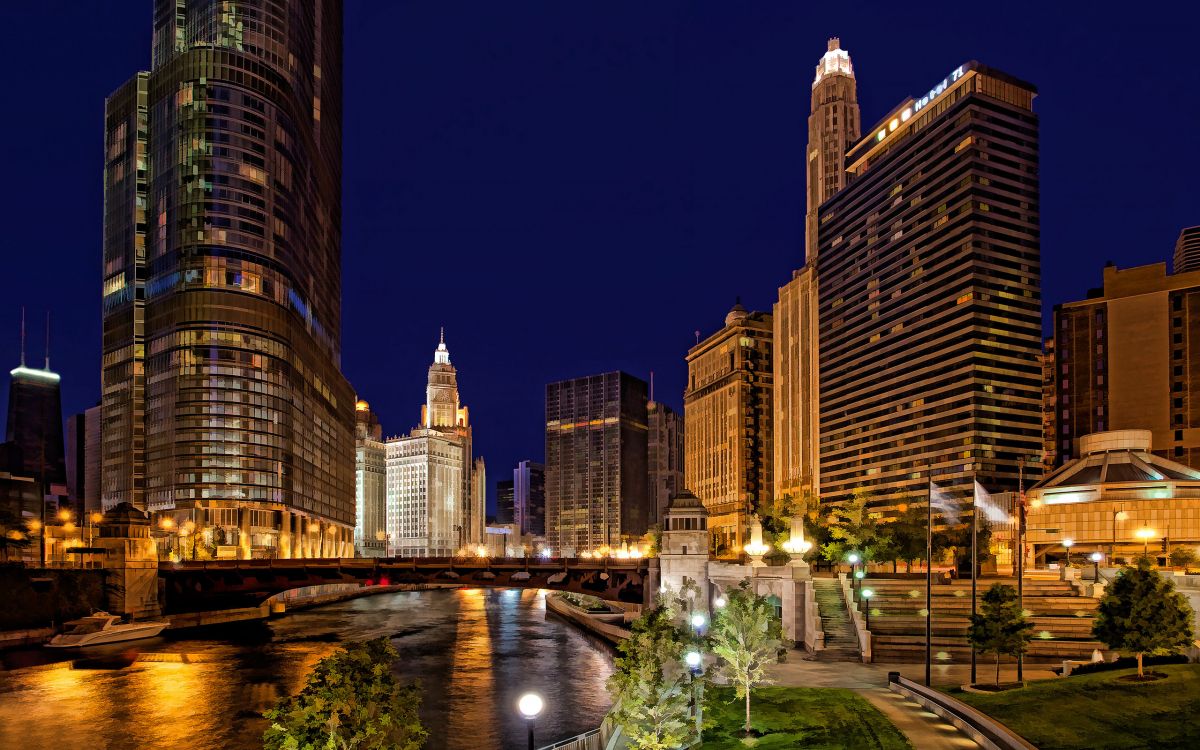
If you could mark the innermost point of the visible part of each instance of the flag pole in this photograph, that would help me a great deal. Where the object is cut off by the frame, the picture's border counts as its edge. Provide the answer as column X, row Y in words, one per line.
column 929, row 582
column 974, row 557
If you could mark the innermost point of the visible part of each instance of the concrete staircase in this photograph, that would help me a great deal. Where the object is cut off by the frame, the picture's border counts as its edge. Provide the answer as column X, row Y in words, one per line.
column 841, row 643
column 1062, row 620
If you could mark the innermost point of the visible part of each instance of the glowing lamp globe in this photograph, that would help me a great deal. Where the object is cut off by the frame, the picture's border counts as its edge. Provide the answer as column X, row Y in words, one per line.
column 692, row 659
column 530, row 705
column 698, row 620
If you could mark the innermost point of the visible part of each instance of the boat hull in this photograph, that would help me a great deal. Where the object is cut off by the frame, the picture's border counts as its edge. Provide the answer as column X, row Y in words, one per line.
column 149, row 630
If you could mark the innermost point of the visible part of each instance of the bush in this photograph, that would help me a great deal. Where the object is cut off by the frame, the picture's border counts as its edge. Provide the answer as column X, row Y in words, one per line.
column 1127, row 662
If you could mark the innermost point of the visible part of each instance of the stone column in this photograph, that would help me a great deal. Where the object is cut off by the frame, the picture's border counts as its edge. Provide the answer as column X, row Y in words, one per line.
column 244, row 533
column 285, row 535
column 305, row 537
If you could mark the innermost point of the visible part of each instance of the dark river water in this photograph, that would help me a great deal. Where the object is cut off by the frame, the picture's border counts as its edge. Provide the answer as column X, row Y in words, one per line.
column 474, row 651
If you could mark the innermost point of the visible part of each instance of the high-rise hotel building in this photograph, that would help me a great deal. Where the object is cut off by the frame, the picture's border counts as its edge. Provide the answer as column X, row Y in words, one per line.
column 727, row 419
column 833, row 127
column 597, row 491
column 223, row 398
column 370, row 479
column 929, row 296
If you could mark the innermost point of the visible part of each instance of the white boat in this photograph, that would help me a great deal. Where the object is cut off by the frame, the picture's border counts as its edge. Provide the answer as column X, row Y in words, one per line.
column 101, row 628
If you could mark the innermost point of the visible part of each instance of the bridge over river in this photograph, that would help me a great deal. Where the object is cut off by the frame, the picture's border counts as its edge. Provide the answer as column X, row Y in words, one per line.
column 226, row 584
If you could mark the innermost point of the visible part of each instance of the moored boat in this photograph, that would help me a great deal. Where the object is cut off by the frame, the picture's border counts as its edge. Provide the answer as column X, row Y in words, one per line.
column 101, row 628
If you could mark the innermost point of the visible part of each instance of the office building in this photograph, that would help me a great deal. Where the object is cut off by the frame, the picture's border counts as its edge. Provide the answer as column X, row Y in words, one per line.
column 1187, row 251
column 529, row 498
column 505, row 501
column 477, row 511
column 929, row 297
column 833, row 127
column 83, row 461
column 370, row 470
column 665, row 456
column 1049, row 407
column 1127, row 358
column 431, row 499
column 727, row 413
column 596, row 474
column 223, row 399
column 34, row 455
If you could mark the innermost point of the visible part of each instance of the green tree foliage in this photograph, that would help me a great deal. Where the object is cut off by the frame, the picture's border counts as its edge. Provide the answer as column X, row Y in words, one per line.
column 851, row 528
column 746, row 636
column 1183, row 557
column 1142, row 613
column 350, row 701
column 1000, row 627
column 651, row 688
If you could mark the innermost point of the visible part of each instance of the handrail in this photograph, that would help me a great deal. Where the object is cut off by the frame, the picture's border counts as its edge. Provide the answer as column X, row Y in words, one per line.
column 985, row 730
column 864, row 635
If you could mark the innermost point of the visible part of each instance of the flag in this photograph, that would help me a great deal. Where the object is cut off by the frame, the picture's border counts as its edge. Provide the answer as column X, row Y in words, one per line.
column 943, row 503
column 983, row 503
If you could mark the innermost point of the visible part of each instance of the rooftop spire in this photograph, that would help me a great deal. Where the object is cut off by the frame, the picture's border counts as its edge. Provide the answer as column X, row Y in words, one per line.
column 442, row 355
column 835, row 61
column 22, row 335
column 47, row 339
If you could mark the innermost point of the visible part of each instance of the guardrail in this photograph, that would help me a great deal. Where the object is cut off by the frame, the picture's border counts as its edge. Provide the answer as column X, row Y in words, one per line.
column 986, row 731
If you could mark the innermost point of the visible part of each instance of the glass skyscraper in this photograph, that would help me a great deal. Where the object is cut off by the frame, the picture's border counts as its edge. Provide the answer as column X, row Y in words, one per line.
column 223, row 399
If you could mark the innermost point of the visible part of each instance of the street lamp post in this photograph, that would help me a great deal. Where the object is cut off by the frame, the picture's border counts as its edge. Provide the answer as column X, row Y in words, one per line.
column 695, row 663
column 530, row 705
column 866, row 595
column 853, row 559
column 1068, row 544
column 1096, row 558
column 1118, row 515
column 1145, row 534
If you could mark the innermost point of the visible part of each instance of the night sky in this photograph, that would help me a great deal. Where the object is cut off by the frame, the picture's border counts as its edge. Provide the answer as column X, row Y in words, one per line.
column 576, row 187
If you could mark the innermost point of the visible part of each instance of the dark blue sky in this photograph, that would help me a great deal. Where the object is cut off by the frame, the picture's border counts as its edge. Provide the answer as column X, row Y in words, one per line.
column 573, row 187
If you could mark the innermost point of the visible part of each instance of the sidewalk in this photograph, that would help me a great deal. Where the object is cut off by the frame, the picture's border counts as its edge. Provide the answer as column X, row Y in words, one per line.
column 924, row 729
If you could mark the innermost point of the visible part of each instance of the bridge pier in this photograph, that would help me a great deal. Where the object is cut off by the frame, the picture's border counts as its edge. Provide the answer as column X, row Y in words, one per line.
column 130, row 562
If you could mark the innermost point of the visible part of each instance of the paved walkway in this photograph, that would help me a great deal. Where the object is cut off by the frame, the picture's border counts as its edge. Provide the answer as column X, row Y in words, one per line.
column 924, row 729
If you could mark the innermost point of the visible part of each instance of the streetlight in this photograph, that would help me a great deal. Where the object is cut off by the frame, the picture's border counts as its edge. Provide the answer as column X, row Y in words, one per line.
column 1068, row 544
column 1096, row 558
column 1118, row 515
column 530, row 705
column 693, row 660
column 853, row 559
column 695, row 663
column 719, row 602
column 698, row 620
column 1145, row 534
column 866, row 595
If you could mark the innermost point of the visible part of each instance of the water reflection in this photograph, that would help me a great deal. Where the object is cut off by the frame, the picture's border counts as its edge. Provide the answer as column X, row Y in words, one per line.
column 474, row 651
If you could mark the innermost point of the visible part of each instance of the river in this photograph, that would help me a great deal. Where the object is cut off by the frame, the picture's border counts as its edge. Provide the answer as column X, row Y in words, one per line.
column 474, row 651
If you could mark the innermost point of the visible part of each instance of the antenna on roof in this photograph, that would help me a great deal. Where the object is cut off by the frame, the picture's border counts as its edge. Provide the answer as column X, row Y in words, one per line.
column 697, row 336
column 652, row 385
column 22, row 335
column 47, row 339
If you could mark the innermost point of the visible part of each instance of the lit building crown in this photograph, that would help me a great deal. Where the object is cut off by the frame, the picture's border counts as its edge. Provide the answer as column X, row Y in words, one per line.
column 836, row 61
column 442, row 355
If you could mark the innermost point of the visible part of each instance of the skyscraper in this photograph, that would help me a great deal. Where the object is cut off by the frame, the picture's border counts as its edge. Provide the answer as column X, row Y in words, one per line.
column 833, row 126
column 370, row 469
column 529, row 498
column 34, row 431
column 505, row 501
column 596, row 473
column 83, row 461
column 1187, row 251
column 1127, row 358
column 665, row 456
column 222, row 393
column 431, row 499
column 930, row 296
column 727, row 416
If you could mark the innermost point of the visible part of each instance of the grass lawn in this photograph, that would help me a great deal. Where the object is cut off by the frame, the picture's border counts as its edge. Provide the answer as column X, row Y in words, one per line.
column 799, row 718
column 1098, row 711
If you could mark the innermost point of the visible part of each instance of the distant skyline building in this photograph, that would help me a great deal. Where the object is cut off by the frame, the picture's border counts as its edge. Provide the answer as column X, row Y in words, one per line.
column 529, row 498
column 833, row 127
column 1187, row 251
column 597, row 492
column 431, row 499
column 665, row 443
column 728, row 414
column 83, row 460
column 1128, row 358
column 477, row 510
column 930, row 297
column 505, row 501
column 370, row 469
column 223, row 398
column 34, row 445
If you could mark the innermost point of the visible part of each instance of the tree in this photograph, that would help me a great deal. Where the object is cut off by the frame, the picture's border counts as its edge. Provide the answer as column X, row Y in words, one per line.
column 351, row 699
column 746, row 635
column 651, row 702
column 1000, row 627
column 851, row 528
column 1142, row 613
column 1183, row 557
column 908, row 535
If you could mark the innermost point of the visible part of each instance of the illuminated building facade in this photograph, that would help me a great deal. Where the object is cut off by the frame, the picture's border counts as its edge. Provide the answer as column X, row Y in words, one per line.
column 929, row 297
column 833, row 127
column 223, row 399
column 727, row 416
column 665, row 457
column 597, row 493
column 432, row 501
column 1127, row 358
column 34, row 431
column 370, row 470
column 1187, row 251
